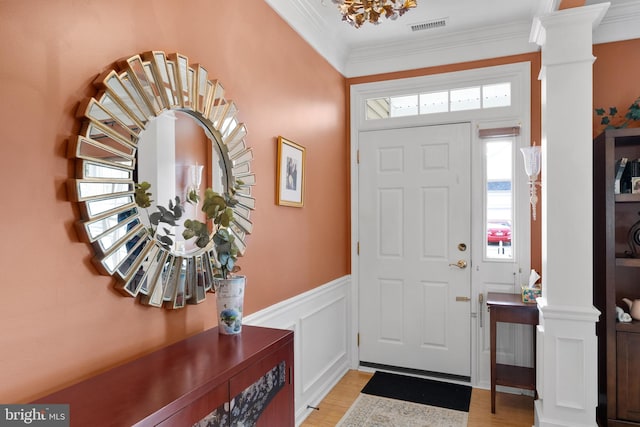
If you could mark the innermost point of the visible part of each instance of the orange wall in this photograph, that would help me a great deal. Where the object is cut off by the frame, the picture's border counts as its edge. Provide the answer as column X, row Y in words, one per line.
column 60, row 321
column 534, row 58
column 567, row 4
column 615, row 78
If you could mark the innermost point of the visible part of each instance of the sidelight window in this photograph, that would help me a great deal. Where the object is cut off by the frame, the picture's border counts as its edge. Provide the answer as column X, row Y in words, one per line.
column 499, row 198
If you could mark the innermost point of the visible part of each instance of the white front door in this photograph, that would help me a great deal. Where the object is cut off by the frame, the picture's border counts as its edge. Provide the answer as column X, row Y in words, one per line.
column 414, row 238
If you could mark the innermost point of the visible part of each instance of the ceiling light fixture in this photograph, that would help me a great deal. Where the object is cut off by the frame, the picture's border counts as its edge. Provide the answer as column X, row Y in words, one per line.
column 357, row 12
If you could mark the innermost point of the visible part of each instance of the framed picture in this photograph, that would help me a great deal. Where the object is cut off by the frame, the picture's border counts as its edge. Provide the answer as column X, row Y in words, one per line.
column 635, row 184
column 290, row 185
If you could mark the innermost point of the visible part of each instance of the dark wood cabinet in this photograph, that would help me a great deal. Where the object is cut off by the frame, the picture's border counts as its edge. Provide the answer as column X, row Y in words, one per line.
column 200, row 408
column 628, row 367
column 616, row 276
column 209, row 379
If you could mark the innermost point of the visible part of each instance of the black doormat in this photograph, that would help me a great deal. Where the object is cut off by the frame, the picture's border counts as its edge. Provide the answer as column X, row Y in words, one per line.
column 419, row 390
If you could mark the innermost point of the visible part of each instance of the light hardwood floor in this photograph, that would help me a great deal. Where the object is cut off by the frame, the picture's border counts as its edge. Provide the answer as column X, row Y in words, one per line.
column 511, row 410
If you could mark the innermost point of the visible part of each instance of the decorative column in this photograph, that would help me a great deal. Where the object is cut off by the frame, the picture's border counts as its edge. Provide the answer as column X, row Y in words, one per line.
column 566, row 342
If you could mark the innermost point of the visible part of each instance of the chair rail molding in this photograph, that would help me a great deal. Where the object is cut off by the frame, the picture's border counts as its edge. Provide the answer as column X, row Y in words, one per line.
column 320, row 319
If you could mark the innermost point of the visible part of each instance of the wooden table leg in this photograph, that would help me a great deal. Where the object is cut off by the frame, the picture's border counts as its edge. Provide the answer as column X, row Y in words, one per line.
column 535, row 362
column 492, row 333
column 509, row 308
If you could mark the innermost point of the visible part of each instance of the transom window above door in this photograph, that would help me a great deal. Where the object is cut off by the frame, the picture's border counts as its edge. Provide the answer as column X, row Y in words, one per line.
column 441, row 101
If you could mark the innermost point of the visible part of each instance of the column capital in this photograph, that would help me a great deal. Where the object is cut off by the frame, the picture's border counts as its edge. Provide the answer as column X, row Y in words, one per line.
column 565, row 19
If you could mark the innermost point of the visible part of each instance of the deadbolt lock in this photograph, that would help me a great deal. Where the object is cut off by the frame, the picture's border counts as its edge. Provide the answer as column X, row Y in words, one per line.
column 462, row 247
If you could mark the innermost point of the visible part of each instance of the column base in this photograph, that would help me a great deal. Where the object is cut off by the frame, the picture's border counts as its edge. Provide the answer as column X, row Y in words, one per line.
column 566, row 366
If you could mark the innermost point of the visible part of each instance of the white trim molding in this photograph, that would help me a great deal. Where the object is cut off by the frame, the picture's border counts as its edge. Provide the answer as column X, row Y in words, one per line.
column 518, row 114
column 431, row 51
column 320, row 320
column 622, row 22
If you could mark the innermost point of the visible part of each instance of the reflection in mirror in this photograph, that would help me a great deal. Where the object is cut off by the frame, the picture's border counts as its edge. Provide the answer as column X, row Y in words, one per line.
column 124, row 139
column 203, row 87
column 145, row 277
column 109, row 240
column 129, row 265
column 183, row 79
column 98, row 228
column 133, row 98
column 123, row 249
column 133, row 280
column 87, row 149
column 93, row 189
column 96, row 170
column 133, row 104
column 179, row 160
column 146, row 82
column 162, row 77
column 94, row 208
column 116, row 111
column 98, row 135
column 111, row 124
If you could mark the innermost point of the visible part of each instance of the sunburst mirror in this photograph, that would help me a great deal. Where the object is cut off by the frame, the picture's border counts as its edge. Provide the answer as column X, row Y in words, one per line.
column 139, row 127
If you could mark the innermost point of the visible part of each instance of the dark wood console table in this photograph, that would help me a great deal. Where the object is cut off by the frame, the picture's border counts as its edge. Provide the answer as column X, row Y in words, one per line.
column 193, row 381
column 509, row 308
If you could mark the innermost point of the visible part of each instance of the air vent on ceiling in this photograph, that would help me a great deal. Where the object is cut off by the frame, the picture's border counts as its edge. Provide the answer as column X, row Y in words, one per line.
column 429, row 25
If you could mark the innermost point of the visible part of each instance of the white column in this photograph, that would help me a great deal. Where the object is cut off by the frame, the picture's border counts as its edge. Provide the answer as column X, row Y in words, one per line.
column 157, row 158
column 566, row 342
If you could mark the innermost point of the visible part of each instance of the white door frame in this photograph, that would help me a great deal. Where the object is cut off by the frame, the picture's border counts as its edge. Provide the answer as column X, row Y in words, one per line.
column 519, row 113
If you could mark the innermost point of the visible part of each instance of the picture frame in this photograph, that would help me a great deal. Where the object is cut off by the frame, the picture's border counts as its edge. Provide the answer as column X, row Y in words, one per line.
column 290, row 173
column 635, row 184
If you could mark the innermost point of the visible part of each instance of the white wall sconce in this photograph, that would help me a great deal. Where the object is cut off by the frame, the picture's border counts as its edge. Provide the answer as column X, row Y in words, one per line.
column 532, row 167
column 194, row 178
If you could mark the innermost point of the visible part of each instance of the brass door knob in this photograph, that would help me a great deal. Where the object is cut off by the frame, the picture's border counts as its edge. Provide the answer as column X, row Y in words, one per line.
column 460, row 264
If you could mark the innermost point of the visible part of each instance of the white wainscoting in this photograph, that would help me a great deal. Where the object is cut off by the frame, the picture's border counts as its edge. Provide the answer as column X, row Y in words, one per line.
column 321, row 320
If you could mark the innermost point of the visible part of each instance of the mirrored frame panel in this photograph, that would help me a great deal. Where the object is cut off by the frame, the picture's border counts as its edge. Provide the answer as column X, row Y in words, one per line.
column 128, row 98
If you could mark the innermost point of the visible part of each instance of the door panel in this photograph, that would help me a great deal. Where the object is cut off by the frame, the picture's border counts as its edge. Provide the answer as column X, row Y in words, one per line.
column 414, row 204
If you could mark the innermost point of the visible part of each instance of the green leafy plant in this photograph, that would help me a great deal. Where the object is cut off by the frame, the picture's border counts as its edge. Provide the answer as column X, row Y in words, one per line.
column 217, row 208
column 612, row 120
column 162, row 215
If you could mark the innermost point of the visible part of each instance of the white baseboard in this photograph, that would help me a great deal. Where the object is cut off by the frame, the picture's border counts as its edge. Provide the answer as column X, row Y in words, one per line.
column 321, row 321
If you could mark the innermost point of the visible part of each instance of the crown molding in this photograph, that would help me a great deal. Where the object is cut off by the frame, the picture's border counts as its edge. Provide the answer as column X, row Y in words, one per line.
column 622, row 22
column 430, row 50
column 309, row 25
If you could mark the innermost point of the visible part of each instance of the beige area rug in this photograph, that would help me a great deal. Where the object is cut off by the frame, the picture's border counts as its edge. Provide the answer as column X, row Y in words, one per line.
column 375, row 411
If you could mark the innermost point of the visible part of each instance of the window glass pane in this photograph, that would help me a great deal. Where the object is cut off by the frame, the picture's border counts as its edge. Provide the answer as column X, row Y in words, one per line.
column 377, row 108
column 498, row 95
column 465, row 99
column 434, row 102
column 499, row 198
column 470, row 98
column 404, row 106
